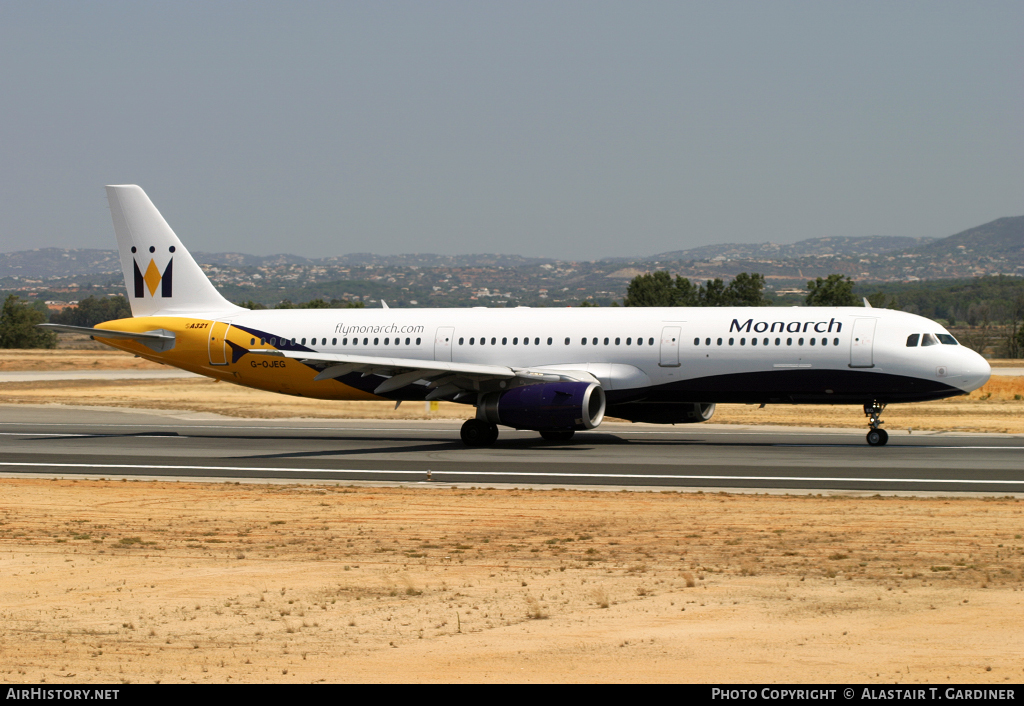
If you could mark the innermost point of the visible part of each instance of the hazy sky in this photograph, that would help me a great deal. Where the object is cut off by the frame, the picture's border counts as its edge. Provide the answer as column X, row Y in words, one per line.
column 557, row 129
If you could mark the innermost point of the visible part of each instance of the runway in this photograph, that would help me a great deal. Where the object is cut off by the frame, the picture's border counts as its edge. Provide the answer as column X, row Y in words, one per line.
column 109, row 442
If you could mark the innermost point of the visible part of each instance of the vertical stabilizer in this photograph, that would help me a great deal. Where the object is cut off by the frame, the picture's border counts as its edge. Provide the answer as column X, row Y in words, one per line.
column 159, row 273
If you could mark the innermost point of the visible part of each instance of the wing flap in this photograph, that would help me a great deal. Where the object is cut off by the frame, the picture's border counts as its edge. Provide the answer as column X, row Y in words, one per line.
column 444, row 378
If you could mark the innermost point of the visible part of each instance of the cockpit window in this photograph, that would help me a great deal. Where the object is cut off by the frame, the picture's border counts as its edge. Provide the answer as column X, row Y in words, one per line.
column 946, row 339
column 929, row 340
column 912, row 340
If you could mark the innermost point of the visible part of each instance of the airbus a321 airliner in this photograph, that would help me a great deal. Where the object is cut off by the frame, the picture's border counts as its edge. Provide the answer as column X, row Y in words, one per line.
column 554, row 371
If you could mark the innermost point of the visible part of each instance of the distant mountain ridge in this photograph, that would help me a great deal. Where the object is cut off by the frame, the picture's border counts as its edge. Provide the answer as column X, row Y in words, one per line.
column 994, row 247
column 861, row 246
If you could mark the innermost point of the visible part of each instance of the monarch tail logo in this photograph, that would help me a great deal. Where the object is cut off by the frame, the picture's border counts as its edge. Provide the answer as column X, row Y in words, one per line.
column 152, row 279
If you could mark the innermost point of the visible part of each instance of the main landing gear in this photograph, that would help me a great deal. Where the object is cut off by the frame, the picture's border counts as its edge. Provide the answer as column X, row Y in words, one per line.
column 476, row 432
column 876, row 435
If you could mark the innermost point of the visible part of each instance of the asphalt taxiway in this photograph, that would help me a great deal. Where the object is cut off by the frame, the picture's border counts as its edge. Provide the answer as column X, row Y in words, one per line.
column 68, row 441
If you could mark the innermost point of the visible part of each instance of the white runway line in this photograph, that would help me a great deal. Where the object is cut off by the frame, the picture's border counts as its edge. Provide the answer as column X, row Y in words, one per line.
column 523, row 474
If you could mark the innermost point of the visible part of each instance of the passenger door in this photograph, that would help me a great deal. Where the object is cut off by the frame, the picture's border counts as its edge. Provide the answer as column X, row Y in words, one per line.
column 218, row 344
column 862, row 343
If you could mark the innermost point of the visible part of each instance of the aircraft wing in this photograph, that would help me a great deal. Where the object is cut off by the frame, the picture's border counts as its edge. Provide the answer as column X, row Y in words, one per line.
column 443, row 378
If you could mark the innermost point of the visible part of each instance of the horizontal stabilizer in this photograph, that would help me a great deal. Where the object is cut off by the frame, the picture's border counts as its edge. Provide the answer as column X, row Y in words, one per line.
column 159, row 339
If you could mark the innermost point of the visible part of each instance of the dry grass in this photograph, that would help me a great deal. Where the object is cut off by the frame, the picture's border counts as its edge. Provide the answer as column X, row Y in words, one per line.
column 993, row 408
column 997, row 407
column 108, row 581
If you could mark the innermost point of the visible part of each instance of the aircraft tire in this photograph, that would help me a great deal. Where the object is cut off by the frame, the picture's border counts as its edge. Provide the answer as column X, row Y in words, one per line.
column 477, row 433
column 878, row 437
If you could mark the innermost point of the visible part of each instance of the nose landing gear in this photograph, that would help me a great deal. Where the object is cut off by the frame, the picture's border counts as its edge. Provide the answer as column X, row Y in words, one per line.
column 876, row 435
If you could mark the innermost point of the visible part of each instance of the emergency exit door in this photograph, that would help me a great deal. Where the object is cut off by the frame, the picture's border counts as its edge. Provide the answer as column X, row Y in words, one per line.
column 670, row 347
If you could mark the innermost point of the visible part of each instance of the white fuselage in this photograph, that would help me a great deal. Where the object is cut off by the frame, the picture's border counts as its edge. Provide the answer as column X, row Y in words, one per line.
column 752, row 353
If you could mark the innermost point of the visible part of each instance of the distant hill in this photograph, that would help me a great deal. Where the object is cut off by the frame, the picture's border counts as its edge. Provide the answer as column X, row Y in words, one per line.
column 58, row 262
column 1002, row 239
column 863, row 246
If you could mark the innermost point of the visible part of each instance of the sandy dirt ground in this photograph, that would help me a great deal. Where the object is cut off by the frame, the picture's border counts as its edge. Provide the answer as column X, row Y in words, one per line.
column 131, row 581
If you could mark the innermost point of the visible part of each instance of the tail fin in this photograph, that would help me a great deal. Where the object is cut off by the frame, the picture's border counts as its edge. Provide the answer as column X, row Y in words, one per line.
column 160, row 274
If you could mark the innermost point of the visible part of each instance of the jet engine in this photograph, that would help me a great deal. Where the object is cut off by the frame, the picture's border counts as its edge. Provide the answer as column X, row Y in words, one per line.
column 551, row 406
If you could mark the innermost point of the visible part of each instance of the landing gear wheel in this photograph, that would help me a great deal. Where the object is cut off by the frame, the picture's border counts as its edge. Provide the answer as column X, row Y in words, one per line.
column 477, row 433
column 878, row 437
column 557, row 435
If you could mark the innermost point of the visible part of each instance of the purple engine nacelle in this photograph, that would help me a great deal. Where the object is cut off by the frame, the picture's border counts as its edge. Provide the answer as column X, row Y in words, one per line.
column 551, row 406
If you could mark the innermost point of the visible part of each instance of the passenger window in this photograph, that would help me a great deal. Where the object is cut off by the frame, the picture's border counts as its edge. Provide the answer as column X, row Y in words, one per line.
column 526, row 341
column 252, row 342
column 606, row 341
column 407, row 341
column 595, row 341
column 731, row 341
column 567, row 341
column 719, row 341
column 461, row 340
column 376, row 341
column 765, row 341
column 549, row 340
column 417, row 341
column 789, row 341
column 515, row 341
column 778, row 341
column 639, row 341
column 493, row 341
column 929, row 340
column 696, row 341
column 386, row 341
column 583, row 342
column 483, row 341
column 812, row 341
column 835, row 341
column 707, row 342
column 650, row 341
column 471, row 341
column 334, row 341
column 743, row 341
column 629, row 341
column 536, row 341
column 617, row 341
column 800, row 342
column 753, row 341
column 303, row 341
column 504, row 341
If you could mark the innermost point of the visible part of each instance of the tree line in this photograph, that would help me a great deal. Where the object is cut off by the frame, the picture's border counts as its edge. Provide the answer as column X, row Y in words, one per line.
column 660, row 289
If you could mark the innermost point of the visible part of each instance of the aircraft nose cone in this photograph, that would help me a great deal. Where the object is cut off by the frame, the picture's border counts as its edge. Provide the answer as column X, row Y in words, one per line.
column 976, row 371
